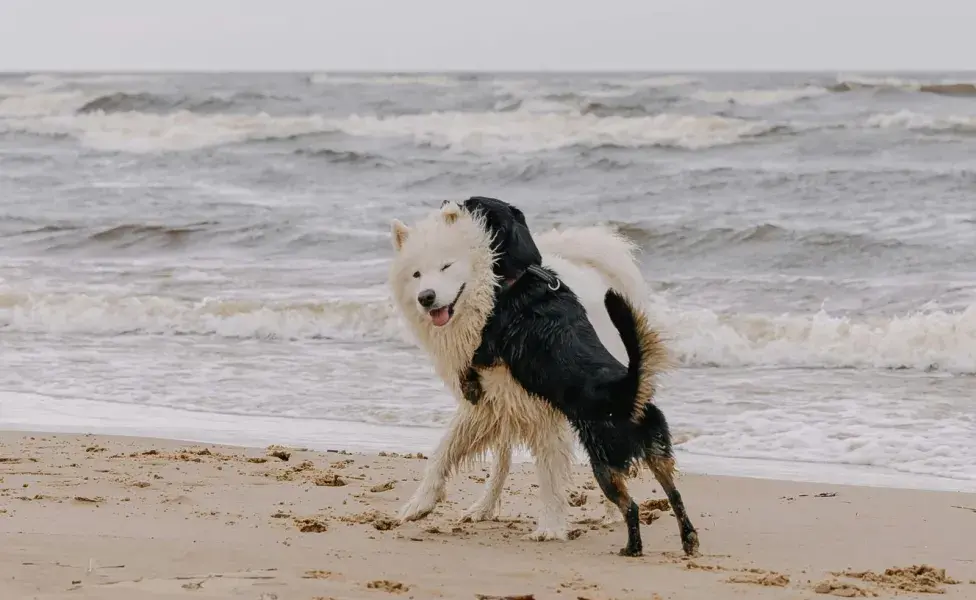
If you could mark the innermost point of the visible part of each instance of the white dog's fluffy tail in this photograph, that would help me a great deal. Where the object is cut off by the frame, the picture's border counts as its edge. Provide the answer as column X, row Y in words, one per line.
column 603, row 249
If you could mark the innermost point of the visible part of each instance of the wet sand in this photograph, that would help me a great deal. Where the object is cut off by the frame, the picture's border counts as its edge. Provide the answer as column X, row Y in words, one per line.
column 106, row 517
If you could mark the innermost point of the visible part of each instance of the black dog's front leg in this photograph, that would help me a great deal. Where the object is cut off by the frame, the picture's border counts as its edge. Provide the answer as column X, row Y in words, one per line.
column 484, row 356
column 471, row 386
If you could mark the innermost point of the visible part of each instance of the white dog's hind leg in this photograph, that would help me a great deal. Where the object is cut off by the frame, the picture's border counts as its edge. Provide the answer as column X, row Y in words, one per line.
column 486, row 508
column 612, row 512
column 553, row 463
column 456, row 444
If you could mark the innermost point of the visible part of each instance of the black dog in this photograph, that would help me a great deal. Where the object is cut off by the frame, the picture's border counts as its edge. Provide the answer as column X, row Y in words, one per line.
column 540, row 331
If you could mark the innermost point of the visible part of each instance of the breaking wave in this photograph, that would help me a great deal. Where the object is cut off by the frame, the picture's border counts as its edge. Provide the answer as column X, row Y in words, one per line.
column 489, row 133
column 684, row 240
column 21, row 103
column 906, row 119
column 269, row 235
column 486, row 132
column 942, row 88
column 345, row 157
column 760, row 97
column 528, row 116
column 934, row 340
column 152, row 103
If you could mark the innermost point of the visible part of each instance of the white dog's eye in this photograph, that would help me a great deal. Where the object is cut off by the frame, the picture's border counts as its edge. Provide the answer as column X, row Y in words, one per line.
column 416, row 274
column 444, row 268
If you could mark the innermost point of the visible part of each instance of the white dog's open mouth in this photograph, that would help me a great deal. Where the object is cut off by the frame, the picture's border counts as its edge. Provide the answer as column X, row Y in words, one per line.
column 442, row 316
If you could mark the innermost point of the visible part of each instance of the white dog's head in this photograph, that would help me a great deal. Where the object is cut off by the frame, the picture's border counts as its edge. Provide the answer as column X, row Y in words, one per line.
column 442, row 268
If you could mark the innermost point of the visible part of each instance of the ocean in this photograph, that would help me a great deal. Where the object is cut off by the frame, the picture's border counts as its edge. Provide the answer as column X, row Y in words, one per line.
column 203, row 256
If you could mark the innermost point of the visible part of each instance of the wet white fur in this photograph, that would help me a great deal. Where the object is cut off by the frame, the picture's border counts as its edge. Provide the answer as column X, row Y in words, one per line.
column 589, row 260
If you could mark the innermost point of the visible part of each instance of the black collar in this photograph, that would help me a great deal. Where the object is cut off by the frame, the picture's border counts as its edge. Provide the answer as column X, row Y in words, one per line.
column 551, row 280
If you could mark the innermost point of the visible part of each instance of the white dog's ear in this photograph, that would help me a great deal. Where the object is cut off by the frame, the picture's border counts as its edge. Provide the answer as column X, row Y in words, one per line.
column 450, row 211
column 400, row 233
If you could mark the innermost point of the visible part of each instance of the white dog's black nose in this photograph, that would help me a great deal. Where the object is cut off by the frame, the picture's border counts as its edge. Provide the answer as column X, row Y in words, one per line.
column 426, row 298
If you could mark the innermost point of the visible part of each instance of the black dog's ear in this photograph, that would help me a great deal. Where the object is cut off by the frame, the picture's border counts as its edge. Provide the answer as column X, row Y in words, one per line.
column 517, row 215
column 520, row 248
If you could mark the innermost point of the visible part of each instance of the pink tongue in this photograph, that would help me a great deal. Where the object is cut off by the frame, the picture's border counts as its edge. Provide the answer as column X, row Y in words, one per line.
column 440, row 317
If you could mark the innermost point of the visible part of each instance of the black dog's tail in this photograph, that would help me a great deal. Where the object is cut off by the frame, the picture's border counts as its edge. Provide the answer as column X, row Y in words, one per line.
column 646, row 353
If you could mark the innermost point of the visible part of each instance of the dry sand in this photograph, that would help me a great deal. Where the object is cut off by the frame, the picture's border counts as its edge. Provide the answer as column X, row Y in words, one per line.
column 140, row 519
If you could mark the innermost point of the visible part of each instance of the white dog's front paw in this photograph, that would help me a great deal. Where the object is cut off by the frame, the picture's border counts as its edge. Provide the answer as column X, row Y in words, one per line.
column 480, row 511
column 545, row 534
column 419, row 506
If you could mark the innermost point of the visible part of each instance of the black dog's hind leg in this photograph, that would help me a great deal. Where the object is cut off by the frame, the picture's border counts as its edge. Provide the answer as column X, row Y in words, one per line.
column 614, row 487
column 663, row 469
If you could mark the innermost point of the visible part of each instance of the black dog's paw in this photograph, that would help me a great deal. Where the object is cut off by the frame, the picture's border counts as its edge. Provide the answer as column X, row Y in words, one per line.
column 471, row 386
column 633, row 552
column 689, row 542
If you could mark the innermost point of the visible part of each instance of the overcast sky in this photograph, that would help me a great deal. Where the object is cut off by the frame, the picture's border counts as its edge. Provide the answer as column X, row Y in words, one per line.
column 316, row 35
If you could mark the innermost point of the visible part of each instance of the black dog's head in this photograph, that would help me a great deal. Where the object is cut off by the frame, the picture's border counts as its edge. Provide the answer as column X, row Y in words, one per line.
column 511, row 239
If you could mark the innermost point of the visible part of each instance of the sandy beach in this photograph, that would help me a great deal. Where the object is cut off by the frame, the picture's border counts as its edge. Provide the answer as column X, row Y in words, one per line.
column 85, row 516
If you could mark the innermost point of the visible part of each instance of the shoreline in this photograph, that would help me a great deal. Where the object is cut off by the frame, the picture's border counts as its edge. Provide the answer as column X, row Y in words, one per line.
column 75, row 416
column 112, row 517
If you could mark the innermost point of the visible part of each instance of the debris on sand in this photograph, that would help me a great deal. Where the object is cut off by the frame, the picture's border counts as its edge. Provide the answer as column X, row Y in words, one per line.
column 383, row 487
column 518, row 597
column 386, row 454
column 385, row 524
column 317, row 574
column 574, row 534
column 660, row 504
column 393, row 587
column 921, row 579
column 330, row 480
column 649, row 516
column 651, row 510
column 311, row 525
column 87, row 500
column 375, row 518
column 279, row 452
column 203, row 452
column 577, row 498
column 768, row 578
column 257, row 460
column 843, row 590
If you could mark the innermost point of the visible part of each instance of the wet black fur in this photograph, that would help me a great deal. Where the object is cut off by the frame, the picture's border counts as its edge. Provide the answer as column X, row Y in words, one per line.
column 550, row 347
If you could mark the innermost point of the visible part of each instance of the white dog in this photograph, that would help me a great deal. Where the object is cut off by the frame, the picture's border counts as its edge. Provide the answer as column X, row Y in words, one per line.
column 443, row 284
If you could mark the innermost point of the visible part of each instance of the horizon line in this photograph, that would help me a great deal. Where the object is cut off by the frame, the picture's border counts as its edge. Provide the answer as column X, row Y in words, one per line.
column 283, row 71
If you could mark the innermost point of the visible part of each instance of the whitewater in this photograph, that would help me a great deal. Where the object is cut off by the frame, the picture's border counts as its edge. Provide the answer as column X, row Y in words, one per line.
column 204, row 257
